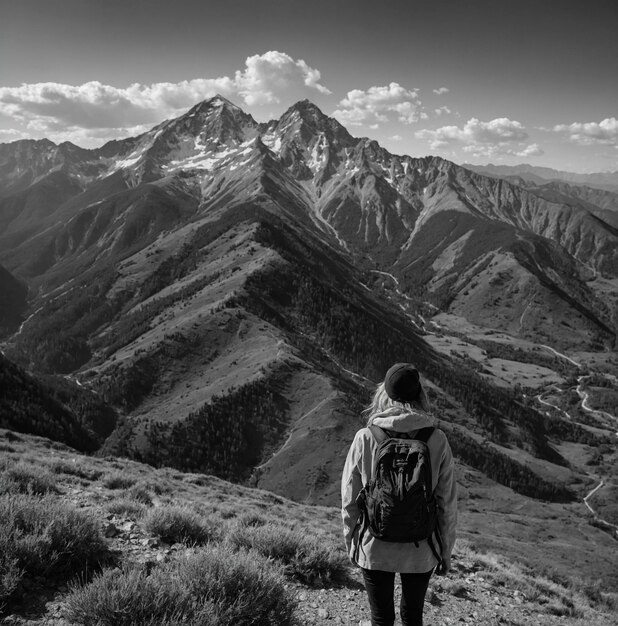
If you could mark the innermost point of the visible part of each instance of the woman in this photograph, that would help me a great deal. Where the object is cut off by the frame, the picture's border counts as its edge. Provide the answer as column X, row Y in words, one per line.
column 399, row 405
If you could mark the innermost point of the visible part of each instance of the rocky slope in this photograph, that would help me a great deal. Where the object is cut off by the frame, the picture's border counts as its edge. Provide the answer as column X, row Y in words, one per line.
column 485, row 587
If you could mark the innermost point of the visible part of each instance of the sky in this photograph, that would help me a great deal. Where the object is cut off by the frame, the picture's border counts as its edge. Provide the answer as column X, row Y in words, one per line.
column 473, row 81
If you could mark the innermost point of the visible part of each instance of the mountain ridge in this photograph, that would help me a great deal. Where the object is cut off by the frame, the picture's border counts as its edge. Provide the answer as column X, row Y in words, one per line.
column 215, row 264
column 608, row 179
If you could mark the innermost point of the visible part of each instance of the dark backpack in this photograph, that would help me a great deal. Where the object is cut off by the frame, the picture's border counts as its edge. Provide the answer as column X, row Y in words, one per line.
column 398, row 504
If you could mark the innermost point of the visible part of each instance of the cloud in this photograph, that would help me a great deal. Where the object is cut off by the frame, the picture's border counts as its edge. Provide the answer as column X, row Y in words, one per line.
column 397, row 138
column 500, row 136
column 442, row 111
column 590, row 133
column 269, row 77
column 379, row 104
column 532, row 150
column 441, row 90
column 90, row 108
column 9, row 134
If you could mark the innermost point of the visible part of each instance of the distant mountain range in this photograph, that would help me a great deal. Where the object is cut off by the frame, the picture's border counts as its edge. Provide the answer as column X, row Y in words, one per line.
column 231, row 290
column 534, row 173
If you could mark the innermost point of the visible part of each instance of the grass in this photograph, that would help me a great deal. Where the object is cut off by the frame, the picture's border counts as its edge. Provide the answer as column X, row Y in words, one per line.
column 452, row 587
column 139, row 493
column 600, row 599
column 250, row 518
column 75, row 468
column 116, row 480
column 179, row 525
column 23, row 478
column 212, row 586
column 554, row 597
column 40, row 536
column 306, row 559
column 125, row 507
column 157, row 487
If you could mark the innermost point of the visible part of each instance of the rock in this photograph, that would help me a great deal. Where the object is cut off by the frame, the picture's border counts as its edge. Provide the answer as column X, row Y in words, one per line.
column 150, row 543
column 110, row 530
column 323, row 613
column 302, row 597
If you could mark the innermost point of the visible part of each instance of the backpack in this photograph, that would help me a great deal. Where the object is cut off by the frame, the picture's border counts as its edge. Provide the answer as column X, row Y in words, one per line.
column 398, row 503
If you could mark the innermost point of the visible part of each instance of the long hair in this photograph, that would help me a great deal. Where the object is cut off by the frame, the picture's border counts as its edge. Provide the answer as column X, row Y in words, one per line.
column 380, row 402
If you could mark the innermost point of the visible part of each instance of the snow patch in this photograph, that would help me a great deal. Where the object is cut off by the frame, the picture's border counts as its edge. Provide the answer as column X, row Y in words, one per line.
column 193, row 153
column 319, row 154
column 272, row 142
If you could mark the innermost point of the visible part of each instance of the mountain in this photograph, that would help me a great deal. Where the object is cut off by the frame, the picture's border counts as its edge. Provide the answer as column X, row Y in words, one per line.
column 231, row 291
column 415, row 218
column 53, row 409
column 533, row 173
column 602, row 204
column 13, row 302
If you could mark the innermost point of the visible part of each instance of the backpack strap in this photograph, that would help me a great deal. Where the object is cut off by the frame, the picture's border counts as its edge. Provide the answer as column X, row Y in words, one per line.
column 379, row 434
column 423, row 434
column 361, row 524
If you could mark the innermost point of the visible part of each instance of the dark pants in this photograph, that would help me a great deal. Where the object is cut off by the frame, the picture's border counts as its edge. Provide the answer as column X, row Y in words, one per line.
column 380, row 588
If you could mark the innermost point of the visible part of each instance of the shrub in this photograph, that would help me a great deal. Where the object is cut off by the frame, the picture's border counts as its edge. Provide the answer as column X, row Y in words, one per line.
column 132, row 597
column 42, row 537
column 598, row 598
column 160, row 486
column 306, row 559
column 139, row 493
column 552, row 595
column 178, row 525
column 126, row 507
column 22, row 478
column 250, row 518
column 75, row 469
column 118, row 481
column 10, row 577
column 212, row 586
column 245, row 585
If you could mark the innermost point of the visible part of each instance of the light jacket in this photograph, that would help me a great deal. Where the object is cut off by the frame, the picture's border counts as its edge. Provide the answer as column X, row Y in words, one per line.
column 375, row 554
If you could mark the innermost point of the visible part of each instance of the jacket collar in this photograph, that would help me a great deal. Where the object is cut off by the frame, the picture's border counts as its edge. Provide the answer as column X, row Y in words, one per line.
column 401, row 421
